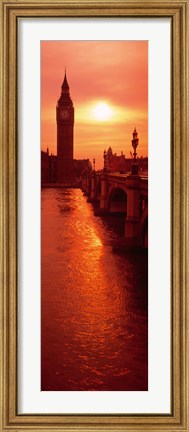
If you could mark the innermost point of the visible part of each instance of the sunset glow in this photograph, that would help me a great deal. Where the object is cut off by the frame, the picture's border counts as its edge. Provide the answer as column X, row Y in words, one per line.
column 102, row 112
column 108, row 83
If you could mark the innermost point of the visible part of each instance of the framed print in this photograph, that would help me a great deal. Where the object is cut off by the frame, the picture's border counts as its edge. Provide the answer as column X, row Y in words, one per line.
column 91, row 354
column 94, row 293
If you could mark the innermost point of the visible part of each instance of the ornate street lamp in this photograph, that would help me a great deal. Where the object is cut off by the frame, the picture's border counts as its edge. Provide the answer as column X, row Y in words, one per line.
column 135, row 141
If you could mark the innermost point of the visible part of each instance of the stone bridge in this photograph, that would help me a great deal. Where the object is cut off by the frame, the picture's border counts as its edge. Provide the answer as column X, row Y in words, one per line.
column 121, row 194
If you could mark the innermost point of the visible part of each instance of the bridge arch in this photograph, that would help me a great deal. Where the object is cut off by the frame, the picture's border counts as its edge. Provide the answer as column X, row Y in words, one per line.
column 117, row 200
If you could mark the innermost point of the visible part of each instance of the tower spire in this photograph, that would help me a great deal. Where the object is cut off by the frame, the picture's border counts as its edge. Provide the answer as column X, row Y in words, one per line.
column 65, row 86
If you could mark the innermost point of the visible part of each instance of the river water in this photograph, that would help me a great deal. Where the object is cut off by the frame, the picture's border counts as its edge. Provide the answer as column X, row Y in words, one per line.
column 94, row 307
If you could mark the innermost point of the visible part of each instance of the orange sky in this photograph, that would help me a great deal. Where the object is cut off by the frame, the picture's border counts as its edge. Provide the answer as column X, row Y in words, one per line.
column 101, row 75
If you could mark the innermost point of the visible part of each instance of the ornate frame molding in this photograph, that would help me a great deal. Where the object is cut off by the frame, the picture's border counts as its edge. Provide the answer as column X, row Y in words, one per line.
column 11, row 11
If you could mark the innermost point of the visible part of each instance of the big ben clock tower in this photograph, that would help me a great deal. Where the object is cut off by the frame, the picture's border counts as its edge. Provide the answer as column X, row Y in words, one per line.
column 65, row 125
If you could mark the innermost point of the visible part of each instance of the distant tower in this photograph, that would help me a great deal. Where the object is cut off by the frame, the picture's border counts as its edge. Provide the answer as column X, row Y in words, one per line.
column 65, row 128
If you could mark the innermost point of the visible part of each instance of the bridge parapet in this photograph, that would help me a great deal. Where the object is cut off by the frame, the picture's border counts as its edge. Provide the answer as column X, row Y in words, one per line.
column 99, row 187
column 86, row 185
column 104, row 191
column 92, row 190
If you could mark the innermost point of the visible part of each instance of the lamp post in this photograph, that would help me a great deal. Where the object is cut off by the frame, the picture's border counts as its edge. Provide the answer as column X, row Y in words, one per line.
column 94, row 164
column 135, row 141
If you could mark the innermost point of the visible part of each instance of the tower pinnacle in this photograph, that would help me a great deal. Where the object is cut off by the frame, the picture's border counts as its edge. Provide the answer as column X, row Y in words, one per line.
column 65, row 86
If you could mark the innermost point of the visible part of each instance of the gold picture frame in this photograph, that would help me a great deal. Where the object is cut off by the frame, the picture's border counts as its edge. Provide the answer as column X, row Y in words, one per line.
column 11, row 11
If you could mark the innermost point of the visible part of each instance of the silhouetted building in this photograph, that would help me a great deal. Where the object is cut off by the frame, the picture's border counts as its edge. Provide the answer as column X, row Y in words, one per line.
column 63, row 169
column 45, row 167
column 65, row 126
column 114, row 163
column 119, row 163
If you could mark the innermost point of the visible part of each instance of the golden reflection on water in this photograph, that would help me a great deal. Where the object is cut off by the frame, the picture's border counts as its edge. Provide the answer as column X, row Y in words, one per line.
column 94, row 302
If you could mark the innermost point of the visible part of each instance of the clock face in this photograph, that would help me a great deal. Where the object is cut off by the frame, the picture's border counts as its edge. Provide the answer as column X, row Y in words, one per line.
column 64, row 114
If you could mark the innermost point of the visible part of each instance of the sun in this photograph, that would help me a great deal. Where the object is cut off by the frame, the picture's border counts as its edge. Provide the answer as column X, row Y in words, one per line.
column 102, row 112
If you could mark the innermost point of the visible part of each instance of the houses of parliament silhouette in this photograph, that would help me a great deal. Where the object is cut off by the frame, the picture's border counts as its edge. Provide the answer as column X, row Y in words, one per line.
column 63, row 168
